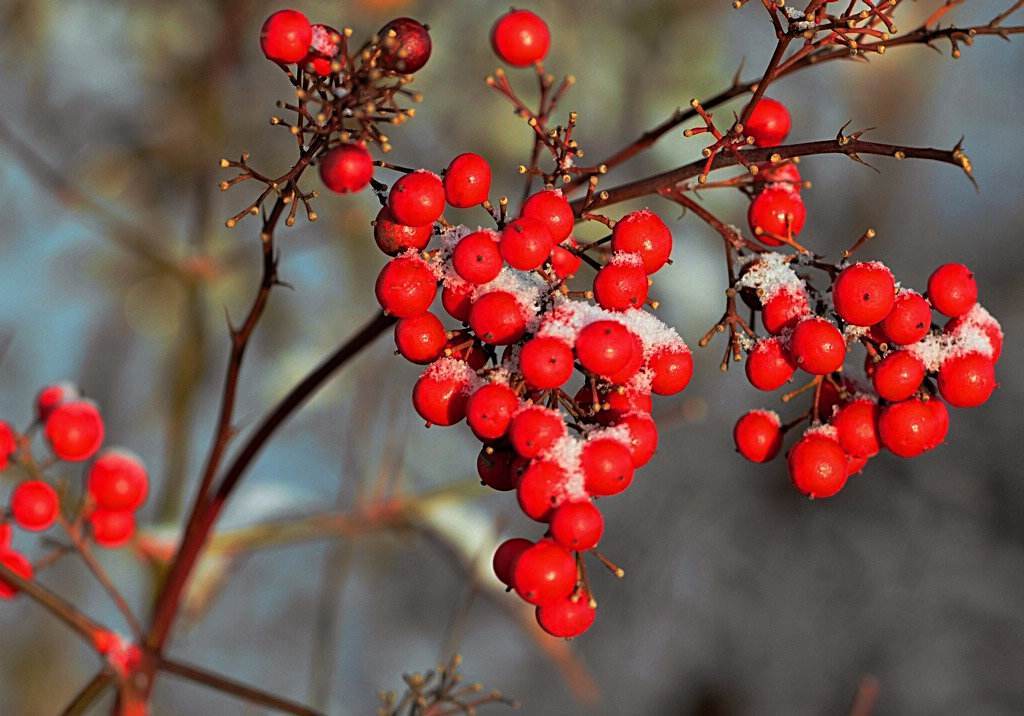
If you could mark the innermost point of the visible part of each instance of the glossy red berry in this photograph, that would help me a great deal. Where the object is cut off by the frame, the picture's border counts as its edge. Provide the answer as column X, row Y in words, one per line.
column 489, row 410
column 17, row 563
column 864, row 293
column 534, row 430
column 8, row 444
column 405, row 46
column 968, row 380
column 325, row 48
column 546, row 362
column 619, row 286
column 476, row 257
column 417, row 198
column 551, row 208
column 34, row 505
column 520, row 38
column 421, row 339
column 505, row 557
column 909, row 428
column 817, row 346
column 544, row 573
column 406, row 287
column 440, row 395
column 495, row 469
column 952, row 289
column 497, row 318
column 346, row 168
column 856, row 425
column 633, row 365
column 758, row 435
column 577, row 526
column 769, row 123
column 564, row 262
column 909, row 320
column 539, row 489
column 604, row 347
column 607, row 466
column 75, row 430
column 769, row 365
column 53, row 395
column 817, row 465
column 526, row 243
column 467, row 180
column 898, row 376
column 569, row 617
column 457, row 300
column 393, row 238
column 672, row 369
column 112, row 528
column 784, row 310
column 939, row 415
column 643, row 436
column 776, row 212
column 118, row 480
column 285, row 36
column 643, row 233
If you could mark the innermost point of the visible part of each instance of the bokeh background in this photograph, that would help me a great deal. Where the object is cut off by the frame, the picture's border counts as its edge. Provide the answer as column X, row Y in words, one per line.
column 740, row 596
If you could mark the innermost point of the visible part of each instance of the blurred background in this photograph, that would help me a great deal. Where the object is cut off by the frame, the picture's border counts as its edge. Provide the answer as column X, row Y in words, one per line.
column 740, row 596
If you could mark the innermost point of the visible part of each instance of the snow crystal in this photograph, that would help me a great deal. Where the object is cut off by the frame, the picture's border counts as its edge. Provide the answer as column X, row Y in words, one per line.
column 770, row 414
column 453, row 369
column 565, row 452
column 770, row 274
column 824, row 430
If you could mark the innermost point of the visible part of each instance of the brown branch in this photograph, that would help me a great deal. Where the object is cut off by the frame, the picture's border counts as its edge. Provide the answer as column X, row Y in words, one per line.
column 92, row 691
column 66, row 612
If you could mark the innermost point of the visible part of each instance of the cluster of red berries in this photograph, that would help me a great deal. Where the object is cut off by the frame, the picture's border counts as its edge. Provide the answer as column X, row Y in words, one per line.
column 914, row 366
column 116, row 481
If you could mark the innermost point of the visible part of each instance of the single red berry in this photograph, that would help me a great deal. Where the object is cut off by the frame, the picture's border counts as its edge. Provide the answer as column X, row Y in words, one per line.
column 769, row 365
column 909, row 320
column 526, row 243
column 535, row 429
column 440, row 394
column 497, row 318
column 462, row 346
column 643, row 233
column 53, row 395
column 769, row 123
column 457, row 299
column 404, row 46
column 577, row 526
column 939, row 423
column 817, row 346
column 864, row 293
column 285, row 36
column 406, row 287
column 854, row 465
column 417, row 199
column 898, row 376
column 569, row 617
column 112, row 528
column 17, row 563
column 505, row 557
column 968, row 380
column 467, row 180
column 476, row 257
column 643, row 436
column 604, row 347
column 672, row 369
column 978, row 317
column 495, row 469
column 346, row 168
column 607, row 466
column 856, row 425
column 621, row 285
column 489, row 410
column 8, row 444
column 34, row 505
column 817, row 465
column 633, row 365
column 784, row 310
column 393, row 238
column 551, row 208
column 421, row 339
column 520, row 38
column 539, row 489
column 776, row 212
column 758, row 435
column 544, row 573
column 325, row 47
column 546, row 362
column 75, row 430
column 908, row 428
column 564, row 262
column 118, row 480
column 952, row 289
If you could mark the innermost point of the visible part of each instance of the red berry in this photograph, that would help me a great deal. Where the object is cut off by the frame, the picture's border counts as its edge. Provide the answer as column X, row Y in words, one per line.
column 783, row 310
column 421, row 339
column 607, row 466
column 506, row 555
column 769, row 365
column 393, row 238
column 769, row 123
column 75, row 430
column 784, row 174
column 495, row 469
column 489, row 410
column 112, row 528
column 406, row 287
column 829, row 398
column 476, row 257
column 546, row 362
column 405, row 46
column 939, row 421
column 817, row 465
column 34, row 505
column 497, row 318
column 535, row 429
column 17, row 563
column 643, row 436
column 526, row 243
column 909, row 428
column 643, row 233
column 417, row 199
column 457, row 299
column 604, row 347
column 440, row 394
column 854, row 465
column 898, row 376
column 856, row 425
column 285, row 36
column 672, row 369
column 978, row 317
column 864, row 293
column 53, row 395
column 567, row 618
column 758, row 435
column 577, row 526
column 618, row 402
column 539, row 489
column 325, row 46
column 564, row 262
column 776, row 212
column 118, row 481
column 633, row 365
column 952, row 289
column 346, row 168
column 909, row 320
column 467, row 180
column 5, row 535
column 520, row 38
column 8, row 444
column 621, row 285
column 544, row 573
column 817, row 346
column 967, row 381
column 551, row 208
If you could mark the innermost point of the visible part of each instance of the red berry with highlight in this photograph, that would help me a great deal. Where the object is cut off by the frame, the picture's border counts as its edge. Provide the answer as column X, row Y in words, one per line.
column 405, row 46
column 758, row 435
column 569, row 617
column 476, row 257
column 34, row 505
column 607, row 466
column 619, row 286
column 533, row 430
column 467, row 180
column 285, row 36
column 497, row 318
column 546, row 362
column 856, row 425
column 769, row 123
column 909, row 320
column 672, row 369
column 817, row 346
column 346, row 168
column 112, row 528
column 421, row 339
column 75, row 430
column 440, row 396
column 520, row 38
column 489, row 410
column 898, row 376
column 544, row 573
column 643, row 233
column 577, row 526
column 505, row 557
column 968, row 380
column 769, row 365
column 393, row 238
column 817, row 465
column 908, row 428
column 457, row 300
column 551, row 208
column 604, row 347
column 952, row 289
column 776, row 212
column 417, row 199
column 784, row 310
column 563, row 261
column 864, row 293
column 53, row 395
column 118, row 480
column 406, row 287
column 526, row 243
column 539, row 489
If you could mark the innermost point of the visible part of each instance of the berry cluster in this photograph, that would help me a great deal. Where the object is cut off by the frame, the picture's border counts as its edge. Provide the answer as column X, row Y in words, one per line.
column 115, row 487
